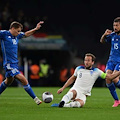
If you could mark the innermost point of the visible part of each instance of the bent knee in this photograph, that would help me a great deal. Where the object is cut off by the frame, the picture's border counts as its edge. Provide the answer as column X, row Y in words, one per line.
column 9, row 81
column 116, row 80
column 108, row 81
column 82, row 103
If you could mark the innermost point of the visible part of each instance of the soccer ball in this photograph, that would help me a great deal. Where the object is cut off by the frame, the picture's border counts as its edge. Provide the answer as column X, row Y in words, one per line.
column 47, row 97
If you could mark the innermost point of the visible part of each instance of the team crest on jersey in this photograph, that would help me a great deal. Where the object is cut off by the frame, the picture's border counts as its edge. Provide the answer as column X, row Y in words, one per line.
column 91, row 72
column 14, row 41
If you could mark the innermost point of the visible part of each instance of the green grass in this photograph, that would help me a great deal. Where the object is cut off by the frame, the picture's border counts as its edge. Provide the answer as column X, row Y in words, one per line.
column 15, row 104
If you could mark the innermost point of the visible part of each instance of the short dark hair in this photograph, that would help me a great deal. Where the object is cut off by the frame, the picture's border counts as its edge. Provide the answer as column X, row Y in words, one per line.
column 117, row 19
column 89, row 54
column 16, row 25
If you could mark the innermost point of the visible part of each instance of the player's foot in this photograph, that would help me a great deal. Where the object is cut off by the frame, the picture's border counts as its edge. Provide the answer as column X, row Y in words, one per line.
column 37, row 100
column 55, row 105
column 116, row 103
column 61, row 104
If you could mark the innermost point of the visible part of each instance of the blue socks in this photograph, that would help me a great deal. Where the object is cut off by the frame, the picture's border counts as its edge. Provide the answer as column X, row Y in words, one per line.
column 118, row 84
column 112, row 89
column 3, row 87
column 29, row 90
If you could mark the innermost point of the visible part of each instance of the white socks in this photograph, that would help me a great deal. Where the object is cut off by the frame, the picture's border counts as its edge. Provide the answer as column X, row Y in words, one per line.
column 75, row 104
column 37, row 100
column 66, row 98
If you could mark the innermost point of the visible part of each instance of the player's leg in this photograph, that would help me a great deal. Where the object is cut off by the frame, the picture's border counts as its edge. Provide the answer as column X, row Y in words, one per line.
column 27, row 87
column 116, row 102
column 6, row 83
column 112, row 90
column 109, row 70
column 67, row 97
column 9, row 77
column 76, row 104
column 117, row 81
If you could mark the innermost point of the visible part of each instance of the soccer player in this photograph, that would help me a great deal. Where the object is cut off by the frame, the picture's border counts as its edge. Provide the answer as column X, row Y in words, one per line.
column 9, row 44
column 84, row 78
column 113, row 64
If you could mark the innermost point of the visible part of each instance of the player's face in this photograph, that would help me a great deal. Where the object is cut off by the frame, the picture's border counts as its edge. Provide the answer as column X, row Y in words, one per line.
column 16, row 31
column 88, row 62
column 116, row 26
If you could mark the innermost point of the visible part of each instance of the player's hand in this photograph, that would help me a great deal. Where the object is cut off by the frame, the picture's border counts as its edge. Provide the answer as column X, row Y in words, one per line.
column 107, row 32
column 60, row 91
column 39, row 25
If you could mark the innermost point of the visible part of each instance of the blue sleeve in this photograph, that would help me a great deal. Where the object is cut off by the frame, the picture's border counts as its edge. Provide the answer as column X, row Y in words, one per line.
column 77, row 68
column 108, row 38
column 2, row 34
column 21, row 35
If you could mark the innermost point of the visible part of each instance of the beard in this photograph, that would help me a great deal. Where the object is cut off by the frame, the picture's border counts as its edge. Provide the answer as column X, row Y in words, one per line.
column 89, row 67
column 118, row 32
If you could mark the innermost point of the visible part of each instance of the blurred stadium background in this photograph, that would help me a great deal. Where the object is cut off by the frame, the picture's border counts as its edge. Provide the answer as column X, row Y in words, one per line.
column 71, row 29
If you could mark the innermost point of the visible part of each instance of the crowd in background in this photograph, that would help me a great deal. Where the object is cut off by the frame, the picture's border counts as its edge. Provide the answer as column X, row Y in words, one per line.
column 8, row 15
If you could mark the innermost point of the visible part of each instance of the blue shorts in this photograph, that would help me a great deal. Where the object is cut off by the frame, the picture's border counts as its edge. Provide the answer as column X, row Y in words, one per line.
column 11, row 70
column 113, row 66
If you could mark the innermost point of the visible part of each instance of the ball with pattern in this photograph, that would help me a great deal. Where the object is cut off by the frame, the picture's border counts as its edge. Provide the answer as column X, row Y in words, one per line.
column 47, row 97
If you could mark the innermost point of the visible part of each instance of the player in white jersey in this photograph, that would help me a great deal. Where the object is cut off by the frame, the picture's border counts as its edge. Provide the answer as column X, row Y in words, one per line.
column 84, row 78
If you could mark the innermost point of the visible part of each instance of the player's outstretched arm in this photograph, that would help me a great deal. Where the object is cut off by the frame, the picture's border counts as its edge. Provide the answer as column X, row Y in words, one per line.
column 113, row 76
column 30, row 32
column 68, row 83
column 107, row 32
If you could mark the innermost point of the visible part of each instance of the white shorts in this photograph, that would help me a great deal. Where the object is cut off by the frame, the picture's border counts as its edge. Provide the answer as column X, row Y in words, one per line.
column 80, row 95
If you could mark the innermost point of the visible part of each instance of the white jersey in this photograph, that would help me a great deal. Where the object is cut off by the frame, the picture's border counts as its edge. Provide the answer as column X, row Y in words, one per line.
column 86, row 79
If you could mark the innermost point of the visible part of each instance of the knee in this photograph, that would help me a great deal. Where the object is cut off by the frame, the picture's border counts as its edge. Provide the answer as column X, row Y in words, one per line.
column 74, row 94
column 81, row 102
column 25, row 82
column 9, row 81
column 108, row 81
column 116, row 80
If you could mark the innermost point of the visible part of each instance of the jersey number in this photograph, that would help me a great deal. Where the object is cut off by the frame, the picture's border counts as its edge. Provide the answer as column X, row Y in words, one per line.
column 116, row 46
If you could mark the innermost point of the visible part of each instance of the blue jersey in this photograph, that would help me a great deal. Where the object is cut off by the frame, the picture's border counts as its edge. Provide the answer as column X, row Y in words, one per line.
column 114, row 39
column 9, row 45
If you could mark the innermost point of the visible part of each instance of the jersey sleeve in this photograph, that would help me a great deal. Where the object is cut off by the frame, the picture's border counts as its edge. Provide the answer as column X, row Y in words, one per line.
column 21, row 35
column 101, row 74
column 75, row 72
column 108, row 38
column 77, row 68
column 2, row 33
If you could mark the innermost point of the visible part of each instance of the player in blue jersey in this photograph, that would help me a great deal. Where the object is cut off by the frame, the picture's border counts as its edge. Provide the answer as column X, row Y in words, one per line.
column 9, row 44
column 113, row 63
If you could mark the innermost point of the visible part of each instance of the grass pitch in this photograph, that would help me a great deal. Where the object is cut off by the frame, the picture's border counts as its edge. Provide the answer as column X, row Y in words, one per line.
column 15, row 104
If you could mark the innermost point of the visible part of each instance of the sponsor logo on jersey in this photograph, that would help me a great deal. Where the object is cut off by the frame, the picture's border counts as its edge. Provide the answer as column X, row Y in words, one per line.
column 9, row 36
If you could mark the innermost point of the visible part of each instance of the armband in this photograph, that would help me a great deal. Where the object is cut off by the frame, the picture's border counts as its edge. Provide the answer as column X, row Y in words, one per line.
column 103, row 75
